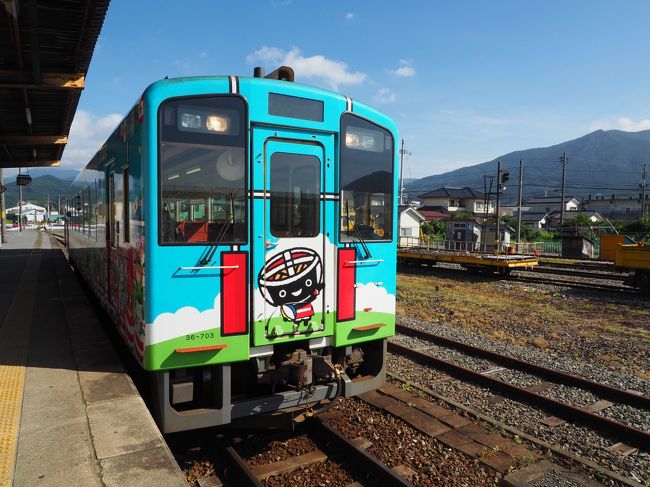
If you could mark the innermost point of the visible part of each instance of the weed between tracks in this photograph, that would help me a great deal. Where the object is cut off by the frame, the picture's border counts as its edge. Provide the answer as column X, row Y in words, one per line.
column 587, row 327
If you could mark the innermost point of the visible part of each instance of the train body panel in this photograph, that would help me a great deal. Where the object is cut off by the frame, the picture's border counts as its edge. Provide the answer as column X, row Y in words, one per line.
column 240, row 231
column 635, row 257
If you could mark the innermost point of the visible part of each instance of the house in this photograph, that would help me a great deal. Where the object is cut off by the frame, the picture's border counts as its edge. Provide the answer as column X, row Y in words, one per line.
column 553, row 218
column 452, row 199
column 618, row 208
column 410, row 220
column 471, row 235
column 534, row 219
column 550, row 204
column 433, row 213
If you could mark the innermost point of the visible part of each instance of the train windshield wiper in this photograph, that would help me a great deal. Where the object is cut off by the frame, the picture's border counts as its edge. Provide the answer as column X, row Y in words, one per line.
column 366, row 252
column 217, row 241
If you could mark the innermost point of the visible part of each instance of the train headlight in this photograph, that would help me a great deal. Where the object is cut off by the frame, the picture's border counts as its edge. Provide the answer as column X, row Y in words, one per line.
column 351, row 140
column 216, row 123
column 364, row 139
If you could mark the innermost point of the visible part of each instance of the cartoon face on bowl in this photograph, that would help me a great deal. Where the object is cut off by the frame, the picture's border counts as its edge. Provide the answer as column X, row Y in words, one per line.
column 292, row 280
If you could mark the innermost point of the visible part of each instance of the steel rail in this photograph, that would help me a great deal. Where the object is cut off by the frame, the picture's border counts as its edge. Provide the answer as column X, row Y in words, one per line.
column 574, row 284
column 596, row 275
column 629, row 434
column 608, row 392
column 370, row 464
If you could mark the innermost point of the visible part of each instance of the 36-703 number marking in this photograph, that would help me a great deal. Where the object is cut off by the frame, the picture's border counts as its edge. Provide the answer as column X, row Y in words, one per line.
column 199, row 336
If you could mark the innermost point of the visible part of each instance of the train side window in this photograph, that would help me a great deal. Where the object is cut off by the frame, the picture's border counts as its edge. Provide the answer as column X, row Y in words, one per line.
column 366, row 181
column 127, row 221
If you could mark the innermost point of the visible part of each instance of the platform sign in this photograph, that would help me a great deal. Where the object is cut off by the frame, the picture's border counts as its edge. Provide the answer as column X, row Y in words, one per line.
column 3, row 188
column 23, row 180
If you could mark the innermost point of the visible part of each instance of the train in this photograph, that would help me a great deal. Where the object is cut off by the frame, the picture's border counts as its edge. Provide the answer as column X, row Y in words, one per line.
column 241, row 233
column 636, row 258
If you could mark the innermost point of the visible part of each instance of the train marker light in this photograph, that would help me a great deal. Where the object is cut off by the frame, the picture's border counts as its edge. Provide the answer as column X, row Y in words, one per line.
column 191, row 121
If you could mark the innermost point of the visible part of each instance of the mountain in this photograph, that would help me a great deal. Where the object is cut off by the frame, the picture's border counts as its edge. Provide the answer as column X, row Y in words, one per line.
column 39, row 190
column 602, row 162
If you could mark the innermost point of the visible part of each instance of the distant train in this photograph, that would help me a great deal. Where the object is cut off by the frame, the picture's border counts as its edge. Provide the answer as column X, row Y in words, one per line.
column 241, row 233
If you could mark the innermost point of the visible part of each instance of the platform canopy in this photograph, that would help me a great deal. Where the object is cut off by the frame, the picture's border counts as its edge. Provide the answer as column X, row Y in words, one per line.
column 45, row 50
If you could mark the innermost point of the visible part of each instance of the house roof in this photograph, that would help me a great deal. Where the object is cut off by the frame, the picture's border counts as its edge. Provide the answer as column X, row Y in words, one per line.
column 430, row 215
column 416, row 213
column 529, row 216
column 451, row 192
column 550, row 199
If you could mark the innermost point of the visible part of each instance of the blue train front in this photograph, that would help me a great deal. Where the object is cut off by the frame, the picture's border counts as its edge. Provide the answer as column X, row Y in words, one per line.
column 241, row 232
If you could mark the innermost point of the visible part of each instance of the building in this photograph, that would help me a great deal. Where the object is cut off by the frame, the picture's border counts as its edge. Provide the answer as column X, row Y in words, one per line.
column 534, row 219
column 550, row 204
column 471, row 235
column 410, row 221
column 626, row 208
column 31, row 213
column 450, row 199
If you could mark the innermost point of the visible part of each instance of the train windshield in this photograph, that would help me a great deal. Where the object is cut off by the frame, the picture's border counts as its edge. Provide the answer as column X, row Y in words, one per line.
column 366, row 180
column 202, row 170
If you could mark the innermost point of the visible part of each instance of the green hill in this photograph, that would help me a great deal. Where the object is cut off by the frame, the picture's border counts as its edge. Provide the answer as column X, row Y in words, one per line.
column 39, row 190
column 602, row 162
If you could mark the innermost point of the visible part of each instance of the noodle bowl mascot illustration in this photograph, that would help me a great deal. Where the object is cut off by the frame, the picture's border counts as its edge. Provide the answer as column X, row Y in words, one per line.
column 292, row 280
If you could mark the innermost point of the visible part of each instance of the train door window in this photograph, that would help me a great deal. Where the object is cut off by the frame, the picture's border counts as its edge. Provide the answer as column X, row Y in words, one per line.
column 295, row 195
column 366, row 181
column 127, row 217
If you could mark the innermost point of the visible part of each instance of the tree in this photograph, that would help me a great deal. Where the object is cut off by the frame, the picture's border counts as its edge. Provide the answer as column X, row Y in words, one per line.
column 435, row 230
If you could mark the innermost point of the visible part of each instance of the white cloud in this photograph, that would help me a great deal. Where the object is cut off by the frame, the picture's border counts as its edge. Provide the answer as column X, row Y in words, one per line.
column 318, row 67
column 372, row 296
column 166, row 325
column 405, row 70
column 384, row 95
column 620, row 123
column 87, row 133
column 349, row 16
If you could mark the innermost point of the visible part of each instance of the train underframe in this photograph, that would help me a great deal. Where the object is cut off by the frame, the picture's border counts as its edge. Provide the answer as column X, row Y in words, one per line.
column 269, row 390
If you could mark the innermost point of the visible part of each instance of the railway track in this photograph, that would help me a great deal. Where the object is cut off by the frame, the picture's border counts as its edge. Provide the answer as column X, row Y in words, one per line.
column 609, row 275
column 587, row 416
column 529, row 276
column 367, row 469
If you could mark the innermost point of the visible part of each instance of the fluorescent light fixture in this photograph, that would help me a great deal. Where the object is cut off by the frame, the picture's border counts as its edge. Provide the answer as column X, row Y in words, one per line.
column 173, row 176
column 193, row 170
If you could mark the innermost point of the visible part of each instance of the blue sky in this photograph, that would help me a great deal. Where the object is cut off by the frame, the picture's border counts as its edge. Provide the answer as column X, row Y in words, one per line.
column 466, row 81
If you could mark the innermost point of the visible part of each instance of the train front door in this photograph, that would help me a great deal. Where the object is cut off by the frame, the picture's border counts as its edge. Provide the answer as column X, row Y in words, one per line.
column 292, row 299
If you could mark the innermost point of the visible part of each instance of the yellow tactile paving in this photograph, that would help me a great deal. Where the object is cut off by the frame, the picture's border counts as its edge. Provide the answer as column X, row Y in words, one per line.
column 14, row 340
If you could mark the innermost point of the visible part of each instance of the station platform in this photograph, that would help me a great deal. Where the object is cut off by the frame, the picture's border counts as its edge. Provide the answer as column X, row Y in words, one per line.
column 69, row 414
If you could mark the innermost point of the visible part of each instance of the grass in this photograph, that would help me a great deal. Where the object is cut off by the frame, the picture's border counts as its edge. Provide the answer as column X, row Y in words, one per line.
column 587, row 328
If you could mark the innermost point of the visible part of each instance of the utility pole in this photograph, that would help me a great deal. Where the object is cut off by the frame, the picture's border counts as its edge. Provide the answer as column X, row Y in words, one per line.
column 564, row 159
column 2, row 210
column 521, row 194
column 497, row 234
column 402, row 152
column 643, row 187
column 486, row 206
column 20, row 207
